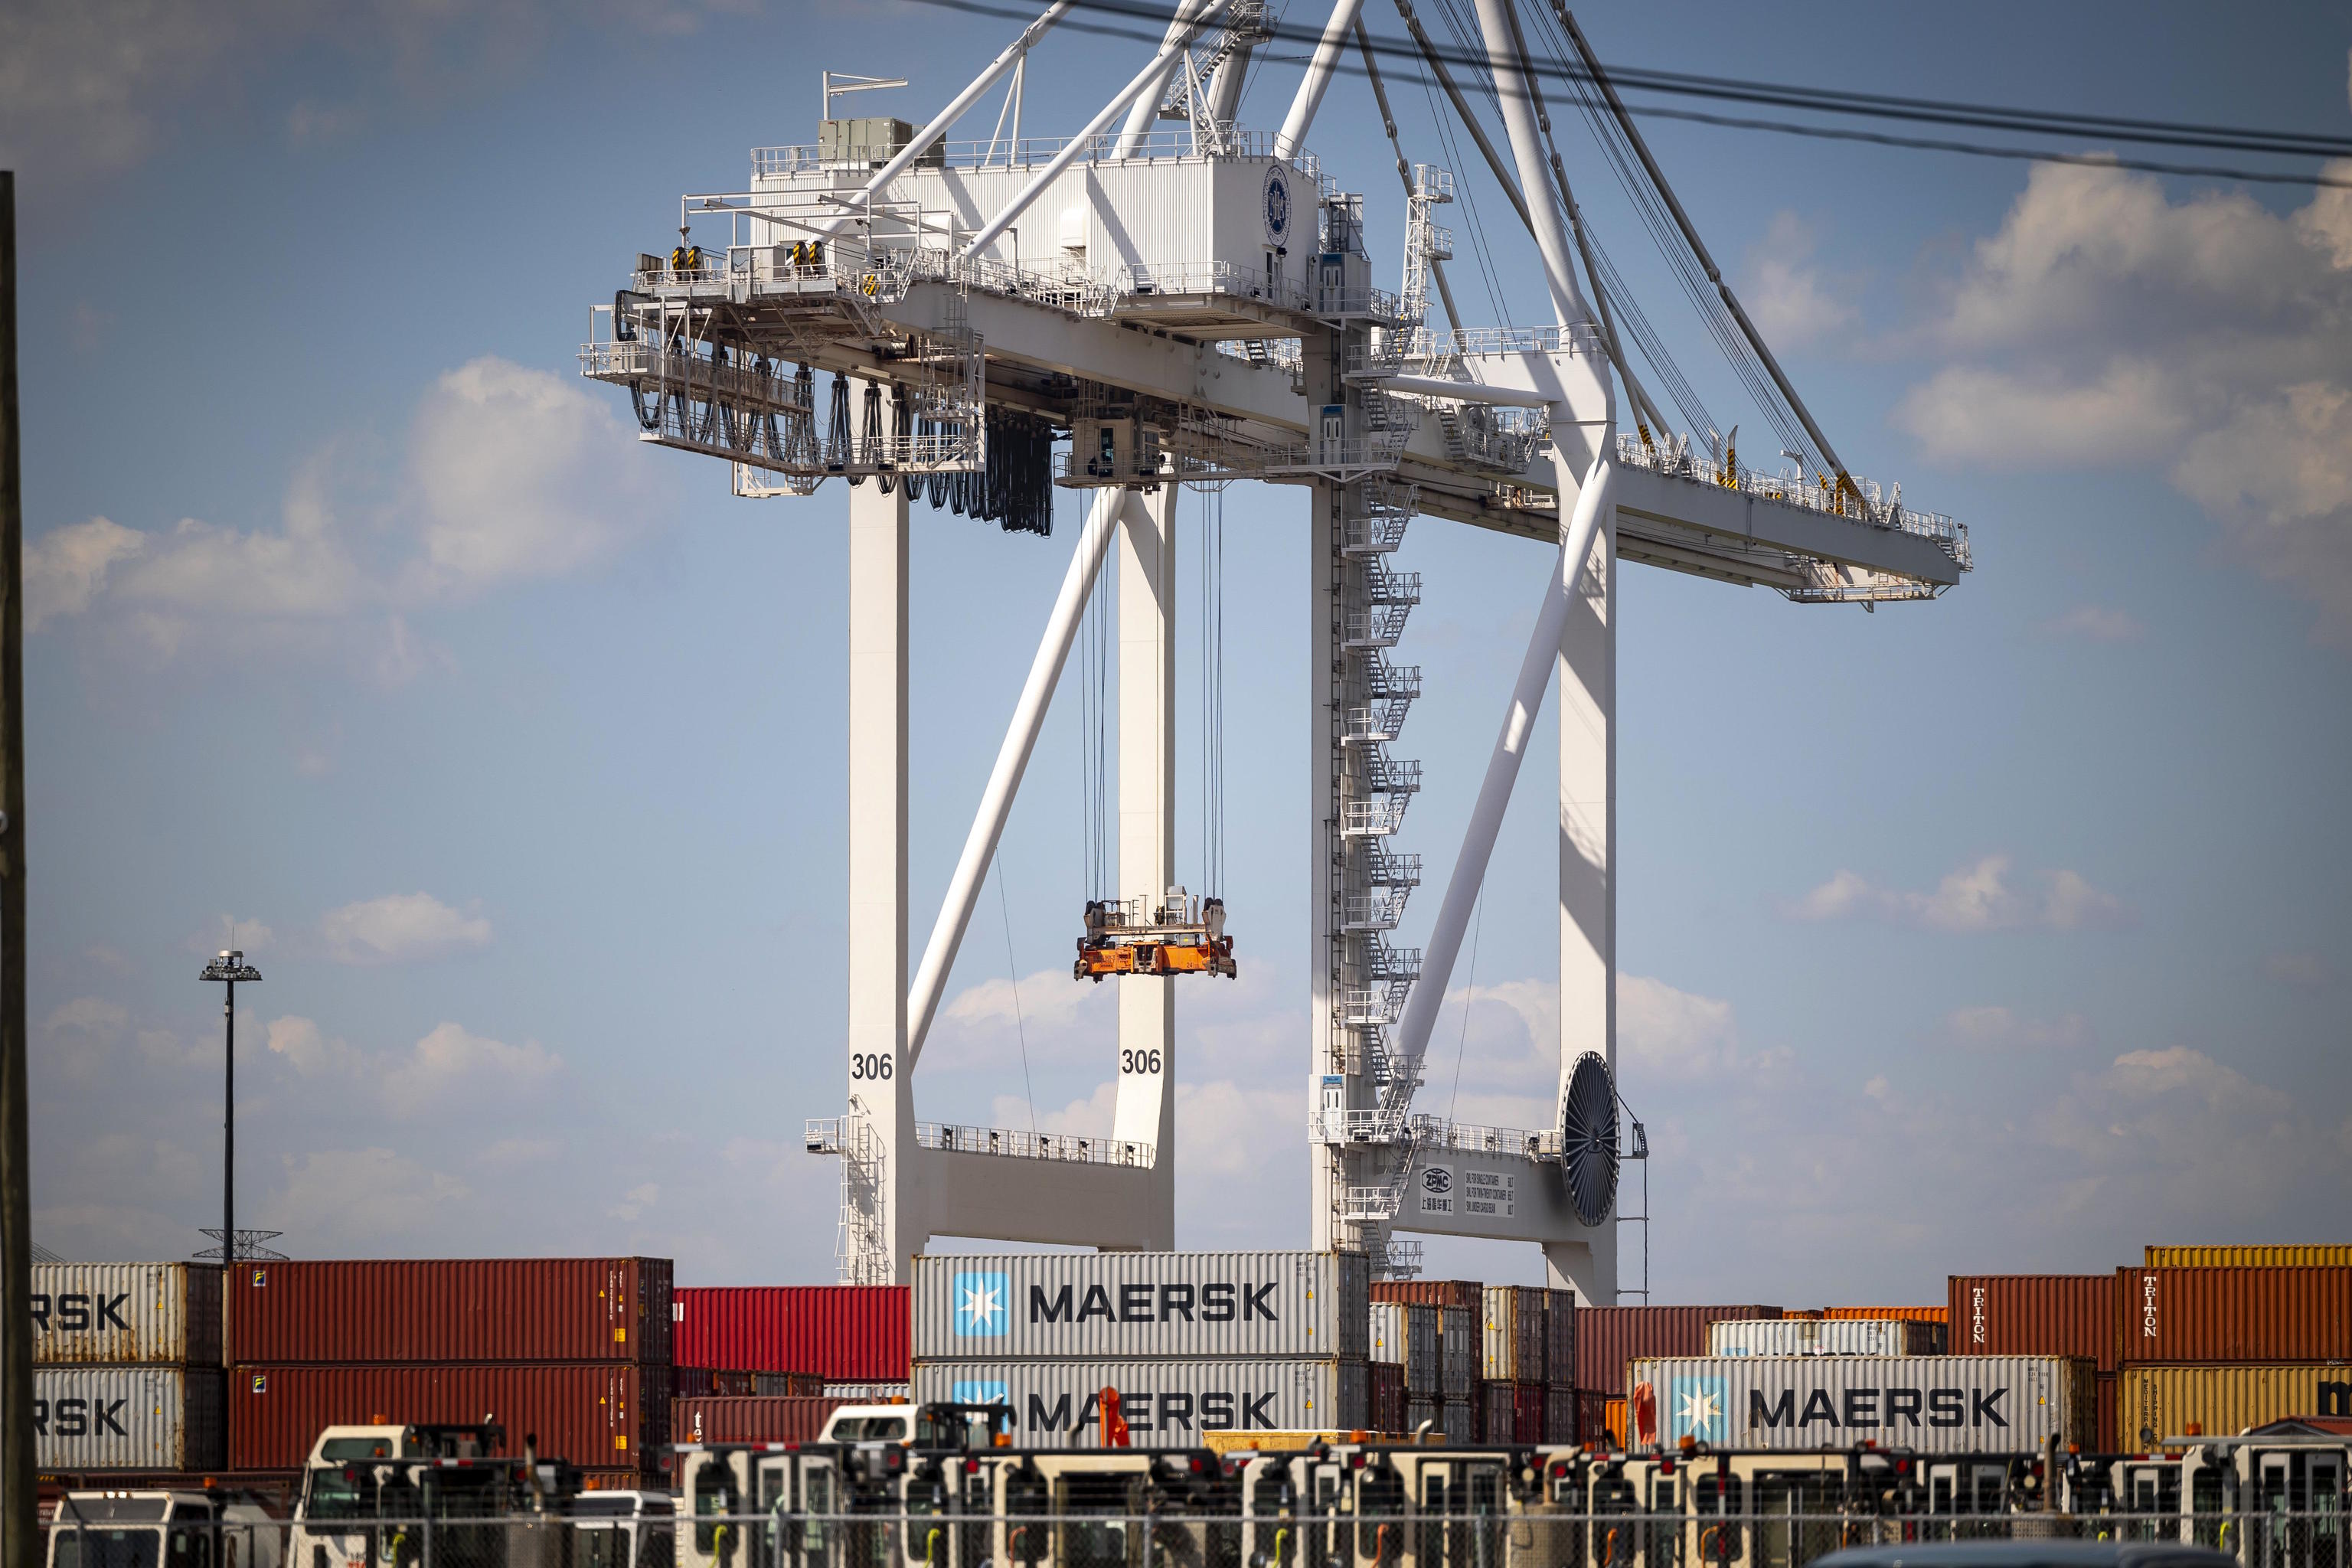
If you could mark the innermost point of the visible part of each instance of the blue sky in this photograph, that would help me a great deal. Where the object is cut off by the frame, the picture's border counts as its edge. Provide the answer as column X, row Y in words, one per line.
column 2006, row 932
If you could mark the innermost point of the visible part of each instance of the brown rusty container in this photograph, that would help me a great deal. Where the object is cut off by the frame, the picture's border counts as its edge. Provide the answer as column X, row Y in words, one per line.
column 596, row 1415
column 2033, row 1314
column 451, row 1310
column 1609, row 1337
column 2233, row 1314
column 1466, row 1294
column 2222, row 1401
column 785, row 1420
column 2106, row 1425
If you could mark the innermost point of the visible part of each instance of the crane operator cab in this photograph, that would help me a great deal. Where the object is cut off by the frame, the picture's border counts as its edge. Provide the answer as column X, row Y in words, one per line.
column 162, row 1529
column 1180, row 935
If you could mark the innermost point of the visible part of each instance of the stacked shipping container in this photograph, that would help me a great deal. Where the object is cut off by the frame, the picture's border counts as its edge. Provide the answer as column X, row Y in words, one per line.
column 1193, row 1341
column 126, row 1366
column 840, row 1334
column 2215, row 1350
column 1459, row 1306
column 574, row 1353
column 1527, row 1348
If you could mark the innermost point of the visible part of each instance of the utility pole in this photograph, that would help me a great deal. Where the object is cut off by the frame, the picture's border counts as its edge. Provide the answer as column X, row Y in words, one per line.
column 18, row 1535
column 229, row 968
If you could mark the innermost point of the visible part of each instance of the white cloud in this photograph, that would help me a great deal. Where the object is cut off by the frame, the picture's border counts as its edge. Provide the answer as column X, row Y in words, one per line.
column 510, row 473
column 451, row 1062
column 401, row 928
column 309, row 1051
column 360, row 1195
column 65, row 567
column 1975, row 898
column 2107, row 323
column 635, row 1201
column 2096, row 623
column 1786, row 295
column 1681, row 1036
column 225, row 932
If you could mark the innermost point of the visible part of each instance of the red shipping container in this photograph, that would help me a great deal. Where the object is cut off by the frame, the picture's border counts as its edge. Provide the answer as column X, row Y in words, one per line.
column 792, row 1419
column 715, row 1383
column 1466, row 1294
column 2233, row 1314
column 1591, row 1416
column 2033, row 1314
column 598, row 1416
column 1609, row 1337
column 1387, row 1396
column 1527, row 1412
column 2109, row 1440
column 451, row 1310
column 845, row 1334
column 1495, row 1415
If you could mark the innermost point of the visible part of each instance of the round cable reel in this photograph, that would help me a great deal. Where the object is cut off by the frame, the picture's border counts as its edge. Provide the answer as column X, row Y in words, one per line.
column 1588, row 1138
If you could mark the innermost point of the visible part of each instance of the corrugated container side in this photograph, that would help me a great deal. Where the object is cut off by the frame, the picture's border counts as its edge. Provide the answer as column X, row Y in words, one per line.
column 2324, row 1254
column 127, row 1418
column 1458, row 1332
column 1122, row 1306
column 845, row 1334
column 1823, row 1336
column 601, row 1415
column 725, row 1382
column 2222, row 1401
column 2233, row 1314
column 1498, row 1411
column 1166, row 1403
column 1609, row 1337
column 2033, row 1314
column 1419, row 1408
column 1931, row 1403
column 1387, row 1396
column 1466, row 1294
column 1387, row 1331
column 126, row 1314
column 1459, row 1418
column 1938, row 1314
column 452, row 1309
column 2108, row 1428
column 1612, row 1419
column 1527, row 1411
column 786, row 1419
column 1512, row 1343
column 1560, row 1413
column 1424, row 1360
column 1591, row 1416
column 1559, row 1337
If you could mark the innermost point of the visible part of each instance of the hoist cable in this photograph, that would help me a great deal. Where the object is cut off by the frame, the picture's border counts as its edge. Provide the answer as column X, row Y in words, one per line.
column 1004, row 911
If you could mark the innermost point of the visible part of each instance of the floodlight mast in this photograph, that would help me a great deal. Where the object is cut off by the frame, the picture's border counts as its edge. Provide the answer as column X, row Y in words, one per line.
column 228, row 969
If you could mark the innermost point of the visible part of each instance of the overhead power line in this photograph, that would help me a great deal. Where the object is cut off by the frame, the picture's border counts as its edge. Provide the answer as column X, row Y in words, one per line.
column 1877, row 106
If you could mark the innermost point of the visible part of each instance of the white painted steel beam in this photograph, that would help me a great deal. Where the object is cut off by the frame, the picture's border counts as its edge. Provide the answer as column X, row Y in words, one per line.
column 957, row 106
column 1144, row 1111
column 1317, row 81
column 1011, row 761
column 1495, row 25
column 1053, row 1203
column 1444, row 943
column 990, row 232
column 879, row 1066
column 1145, row 111
column 1466, row 391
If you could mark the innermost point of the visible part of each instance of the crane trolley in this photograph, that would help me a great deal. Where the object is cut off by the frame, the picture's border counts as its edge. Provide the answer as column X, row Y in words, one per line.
column 1182, row 935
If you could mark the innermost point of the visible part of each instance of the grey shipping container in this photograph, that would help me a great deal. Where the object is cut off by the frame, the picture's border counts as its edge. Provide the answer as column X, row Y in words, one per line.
column 1823, row 1336
column 1512, row 1347
column 1167, row 1403
column 1420, row 1407
column 1560, row 1336
column 1458, row 1333
column 1943, row 1405
column 122, row 1314
column 1407, row 1333
column 1128, row 1306
column 128, row 1418
column 1460, row 1421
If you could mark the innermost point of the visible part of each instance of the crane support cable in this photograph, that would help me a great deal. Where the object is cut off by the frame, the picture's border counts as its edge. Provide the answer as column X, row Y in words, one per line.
column 1405, row 170
column 1645, row 412
column 1461, row 108
column 1698, row 246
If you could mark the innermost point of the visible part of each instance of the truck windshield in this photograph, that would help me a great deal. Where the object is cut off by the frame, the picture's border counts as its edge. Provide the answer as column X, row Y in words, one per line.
column 108, row 1546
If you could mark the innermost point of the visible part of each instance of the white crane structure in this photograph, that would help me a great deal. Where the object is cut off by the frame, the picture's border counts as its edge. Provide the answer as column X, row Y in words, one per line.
column 1185, row 300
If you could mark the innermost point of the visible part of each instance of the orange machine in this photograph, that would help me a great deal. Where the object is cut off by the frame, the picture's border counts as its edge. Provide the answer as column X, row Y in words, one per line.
column 1182, row 935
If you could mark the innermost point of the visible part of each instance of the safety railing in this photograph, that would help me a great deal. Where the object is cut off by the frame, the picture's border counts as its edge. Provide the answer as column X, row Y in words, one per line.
column 1437, row 1132
column 1374, row 817
column 1872, row 506
column 1581, row 338
column 1013, row 1143
column 1005, row 152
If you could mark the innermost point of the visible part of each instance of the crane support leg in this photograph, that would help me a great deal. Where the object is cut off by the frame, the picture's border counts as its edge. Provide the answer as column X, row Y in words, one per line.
column 1588, row 862
column 1145, row 1110
column 878, row 1233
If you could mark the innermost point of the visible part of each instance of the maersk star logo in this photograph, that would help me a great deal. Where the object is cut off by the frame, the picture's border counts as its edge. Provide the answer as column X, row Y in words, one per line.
column 984, row 1305
column 1699, row 1409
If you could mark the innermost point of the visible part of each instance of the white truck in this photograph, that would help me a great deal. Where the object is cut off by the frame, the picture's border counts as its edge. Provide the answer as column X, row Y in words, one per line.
column 425, row 1497
column 163, row 1529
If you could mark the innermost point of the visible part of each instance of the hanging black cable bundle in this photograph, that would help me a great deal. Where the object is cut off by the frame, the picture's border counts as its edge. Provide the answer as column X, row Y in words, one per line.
column 768, row 438
column 1018, row 479
column 721, row 413
column 837, row 449
column 936, row 487
column 869, row 446
column 800, row 428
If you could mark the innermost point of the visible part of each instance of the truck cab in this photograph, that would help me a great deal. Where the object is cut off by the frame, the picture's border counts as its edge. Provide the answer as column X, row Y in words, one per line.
column 163, row 1529
column 390, row 1497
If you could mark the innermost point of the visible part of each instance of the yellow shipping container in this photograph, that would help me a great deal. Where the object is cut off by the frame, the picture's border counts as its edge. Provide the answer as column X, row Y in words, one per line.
column 2318, row 1255
column 2153, row 1403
